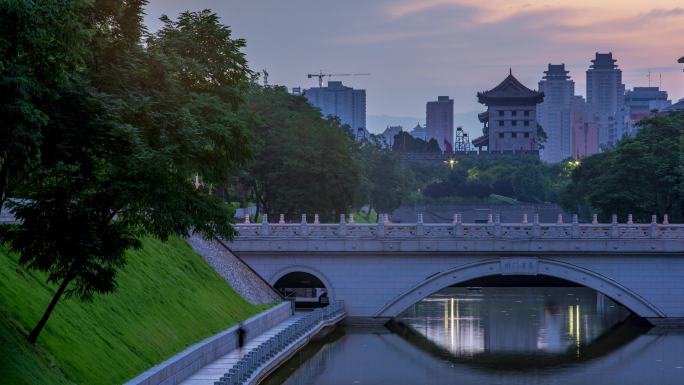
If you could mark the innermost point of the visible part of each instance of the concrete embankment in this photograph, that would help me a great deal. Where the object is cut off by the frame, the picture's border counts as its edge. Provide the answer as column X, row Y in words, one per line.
column 179, row 367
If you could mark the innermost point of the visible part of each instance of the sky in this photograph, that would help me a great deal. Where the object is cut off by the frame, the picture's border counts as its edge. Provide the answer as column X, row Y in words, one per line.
column 416, row 50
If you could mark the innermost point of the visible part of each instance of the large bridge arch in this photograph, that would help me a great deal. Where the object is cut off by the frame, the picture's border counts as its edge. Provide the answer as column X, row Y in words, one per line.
column 540, row 266
column 304, row 269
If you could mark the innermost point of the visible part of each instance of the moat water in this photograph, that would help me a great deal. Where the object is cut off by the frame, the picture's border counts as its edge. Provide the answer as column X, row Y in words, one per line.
column 535, row 335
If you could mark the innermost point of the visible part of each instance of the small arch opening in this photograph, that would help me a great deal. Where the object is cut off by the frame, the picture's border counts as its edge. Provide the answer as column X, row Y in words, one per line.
column 305, row 289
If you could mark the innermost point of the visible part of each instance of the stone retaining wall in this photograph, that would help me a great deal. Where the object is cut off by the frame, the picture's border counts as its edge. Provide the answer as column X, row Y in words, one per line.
column 182, row 365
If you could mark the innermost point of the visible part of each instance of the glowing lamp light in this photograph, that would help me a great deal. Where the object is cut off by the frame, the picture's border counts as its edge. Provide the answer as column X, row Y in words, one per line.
column 451, row 162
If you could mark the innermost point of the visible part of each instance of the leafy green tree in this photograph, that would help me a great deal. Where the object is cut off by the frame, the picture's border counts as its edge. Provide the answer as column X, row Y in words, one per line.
column 642, row 175
column 41, row 44
column 123, row 143
column 303, row 163
column 385, row 181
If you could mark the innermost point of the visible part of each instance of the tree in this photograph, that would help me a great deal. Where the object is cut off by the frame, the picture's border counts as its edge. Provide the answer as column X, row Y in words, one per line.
column 124, row 141
column 641, row 176
column 41, row 44
column 385, row 181
column 303, row 163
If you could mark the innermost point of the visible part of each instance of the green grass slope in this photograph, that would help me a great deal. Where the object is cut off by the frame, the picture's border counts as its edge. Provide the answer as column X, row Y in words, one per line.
column 168, row 298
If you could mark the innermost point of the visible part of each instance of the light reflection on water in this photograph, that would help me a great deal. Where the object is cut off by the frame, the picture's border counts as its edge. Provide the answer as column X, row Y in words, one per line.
column 508, row 320
column 556, row 336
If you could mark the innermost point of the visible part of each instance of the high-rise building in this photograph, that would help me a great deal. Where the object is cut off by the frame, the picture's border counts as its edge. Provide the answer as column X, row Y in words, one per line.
column 346, row 103
column 584, row 130
column 440, row 122
column 642, row 103
column 510, row 122
column 605, row 98
column 554, row 115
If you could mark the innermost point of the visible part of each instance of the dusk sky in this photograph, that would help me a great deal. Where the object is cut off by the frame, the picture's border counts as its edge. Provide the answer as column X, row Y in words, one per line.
column 416, row 50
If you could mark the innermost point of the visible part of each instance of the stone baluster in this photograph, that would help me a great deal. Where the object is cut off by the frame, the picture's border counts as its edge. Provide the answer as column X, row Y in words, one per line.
column 246, row 221
column 380, row 226
column 265, row 229
column 351, row 219
column 458, row 225
column 342, row 229
column 654, row 226
column 629, row 219
column 575, row 226
column 490, row 219
column 386, row 218
column 560, row 219
column 420, row 230
column 536, row 229
column 524, row 221
column 281, row 220
column 594, row 219
column 303, row 226
column 497, row 225
column 666, row 219
column 316, row 221
column 614, row 229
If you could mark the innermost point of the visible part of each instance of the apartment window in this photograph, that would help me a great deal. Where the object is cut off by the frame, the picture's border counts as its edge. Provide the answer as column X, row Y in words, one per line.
column 501, row 112
column 515, row 123
column 501, row 134
column 527, row 134
column 514, row 113
column 527, row 122
column 501, row 123
column 515, row 134
column 527, row 113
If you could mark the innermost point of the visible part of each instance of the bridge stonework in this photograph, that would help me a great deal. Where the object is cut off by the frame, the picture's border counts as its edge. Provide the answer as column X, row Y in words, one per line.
column 379, row 270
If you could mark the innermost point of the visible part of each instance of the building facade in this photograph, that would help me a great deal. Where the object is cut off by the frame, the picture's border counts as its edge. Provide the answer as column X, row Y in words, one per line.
column 584, row 130
column 642, row 103
column 346, row 103
column 510, row 122
column 555, row 114
column 605, row 98
column 439, row 125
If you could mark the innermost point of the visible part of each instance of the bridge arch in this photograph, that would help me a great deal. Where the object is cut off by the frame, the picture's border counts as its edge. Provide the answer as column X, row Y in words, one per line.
column 543, row 266
column 304, row 269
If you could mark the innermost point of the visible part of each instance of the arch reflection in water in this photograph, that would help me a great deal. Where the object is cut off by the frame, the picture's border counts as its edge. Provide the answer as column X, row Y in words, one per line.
column 467, row 322
column 500, row 336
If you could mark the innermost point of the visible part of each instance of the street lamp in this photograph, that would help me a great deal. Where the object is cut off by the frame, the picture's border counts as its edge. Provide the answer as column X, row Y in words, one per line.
column 681, row 60
column 451, row 162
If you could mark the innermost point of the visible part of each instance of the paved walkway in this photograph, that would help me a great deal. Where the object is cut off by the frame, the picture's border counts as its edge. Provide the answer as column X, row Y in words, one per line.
column 215, row 370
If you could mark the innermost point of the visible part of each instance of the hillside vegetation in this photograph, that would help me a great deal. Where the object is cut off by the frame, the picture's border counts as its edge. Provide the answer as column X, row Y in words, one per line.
column 168, row 298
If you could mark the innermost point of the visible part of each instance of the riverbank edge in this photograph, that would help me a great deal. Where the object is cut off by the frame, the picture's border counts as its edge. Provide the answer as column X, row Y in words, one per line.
column 322, row 329
column 179, row 367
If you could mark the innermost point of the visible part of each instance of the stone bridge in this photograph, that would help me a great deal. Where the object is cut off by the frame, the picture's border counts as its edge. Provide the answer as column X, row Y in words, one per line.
column 381, row 269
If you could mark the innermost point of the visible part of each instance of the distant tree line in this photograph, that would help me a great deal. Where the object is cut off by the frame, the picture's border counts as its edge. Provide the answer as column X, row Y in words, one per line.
column 642, row 175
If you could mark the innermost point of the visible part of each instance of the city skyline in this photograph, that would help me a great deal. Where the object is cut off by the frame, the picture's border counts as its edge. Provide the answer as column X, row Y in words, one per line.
column 416, row 51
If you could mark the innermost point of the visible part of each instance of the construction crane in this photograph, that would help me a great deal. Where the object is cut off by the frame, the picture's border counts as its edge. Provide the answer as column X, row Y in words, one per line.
column 320, row 75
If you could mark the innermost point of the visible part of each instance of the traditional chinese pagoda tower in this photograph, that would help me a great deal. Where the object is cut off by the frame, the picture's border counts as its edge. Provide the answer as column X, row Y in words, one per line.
column 510, row 122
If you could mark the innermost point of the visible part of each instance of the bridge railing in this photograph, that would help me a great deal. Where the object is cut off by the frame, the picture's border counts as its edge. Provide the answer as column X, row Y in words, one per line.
column 493, row 229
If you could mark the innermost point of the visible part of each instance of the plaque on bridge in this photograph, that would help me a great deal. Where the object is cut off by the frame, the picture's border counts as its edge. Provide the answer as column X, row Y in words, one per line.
column 519, row 266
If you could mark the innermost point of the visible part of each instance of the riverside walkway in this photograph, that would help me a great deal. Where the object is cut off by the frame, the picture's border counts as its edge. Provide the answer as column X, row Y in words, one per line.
column 215, row 370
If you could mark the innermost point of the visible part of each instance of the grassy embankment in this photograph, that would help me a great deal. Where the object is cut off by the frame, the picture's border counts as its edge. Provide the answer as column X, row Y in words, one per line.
column 168, row 298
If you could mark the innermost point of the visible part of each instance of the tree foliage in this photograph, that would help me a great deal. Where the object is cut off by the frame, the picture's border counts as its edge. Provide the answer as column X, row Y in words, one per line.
column 526, row 179
column 642, row 176
column 42, row 44
column 122, row 141
column 303, row 163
